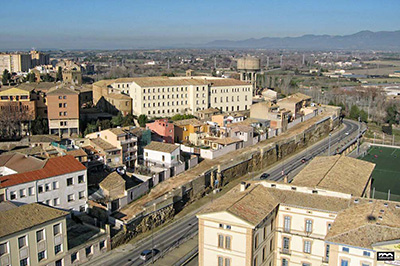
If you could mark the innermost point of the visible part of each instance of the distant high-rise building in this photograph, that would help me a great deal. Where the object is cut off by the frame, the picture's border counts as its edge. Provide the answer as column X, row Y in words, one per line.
column 15, row 62
column 39, row 58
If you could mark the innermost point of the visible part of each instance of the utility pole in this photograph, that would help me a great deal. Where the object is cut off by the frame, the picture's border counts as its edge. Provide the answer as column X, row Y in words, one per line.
column 267, row 62
column 168, row 63
column 329, row 145
column 358, row 137
column 215, row 63
column 281, row 60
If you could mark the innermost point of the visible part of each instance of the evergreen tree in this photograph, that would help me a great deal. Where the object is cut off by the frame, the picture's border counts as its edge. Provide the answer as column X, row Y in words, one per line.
column 59, row 76
column 142, row 119
column 6, row 77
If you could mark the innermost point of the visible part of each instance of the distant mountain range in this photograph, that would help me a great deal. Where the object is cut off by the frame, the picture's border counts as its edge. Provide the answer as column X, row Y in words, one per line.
column 363, row 40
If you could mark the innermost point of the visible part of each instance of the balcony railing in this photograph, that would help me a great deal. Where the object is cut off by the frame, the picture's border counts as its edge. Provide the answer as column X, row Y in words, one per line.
column 285, row 251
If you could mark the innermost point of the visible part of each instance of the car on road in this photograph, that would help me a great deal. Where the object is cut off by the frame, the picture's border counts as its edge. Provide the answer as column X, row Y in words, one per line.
column 264, row 176
column 148, row 254
column 347, row 133
column 304, row 160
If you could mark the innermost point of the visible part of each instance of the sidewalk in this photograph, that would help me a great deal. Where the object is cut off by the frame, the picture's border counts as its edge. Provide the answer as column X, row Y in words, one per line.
column 172, row 257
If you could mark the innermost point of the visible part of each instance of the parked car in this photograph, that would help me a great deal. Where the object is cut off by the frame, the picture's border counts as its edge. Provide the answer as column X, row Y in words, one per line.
column 148, row 254
column 304, row 160
column 264, row 176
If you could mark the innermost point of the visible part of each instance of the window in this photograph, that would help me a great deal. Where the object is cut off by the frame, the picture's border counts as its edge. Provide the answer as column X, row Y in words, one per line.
column 255, row 262
column 308, row 226
column 41, row 255
column 40, row 189
column 39, row 235
column 81, row 194
column 82, row 208
column 285, row 262
column 163, row 158
column 327, row 252
column 220, row 261
column 344, row 263
column 344, row 249
column 23, row 262
column 307, row 246
column 220, row 241
column 3, row 249
column 47, row 187
column 64, row 97
column 271, row 245
column 21, row 241
column 367, row 253
column 88, row 250
column 31, row 191
column 286, row 244
column 60, row 97
column 102, row 244
column 305, row 264
column 74, row 257
column 70, row 197
column 221, row 226
column 264, row 253
column 59, row 105
column 228, row 242
column 65, row 113
column 228, row 227
column 57, row 229
column 65, row 105
column 22, row 193
column 58, row 262
column 55, row 185
column 256, row 242
column 70, row 181
column 57, row 249
column 365, row 264
column 13, row 195
column 227, row 262
column 286, row 226
column 56, row 202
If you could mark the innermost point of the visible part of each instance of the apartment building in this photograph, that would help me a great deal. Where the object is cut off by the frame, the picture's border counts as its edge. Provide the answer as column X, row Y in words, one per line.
column 123, row 139
column 33, row 234
column 16, row 100
column 15, row 62
column 36, row 234
column 60, row 181
column 39, row 58
column 183, row 129
column 104, row 152
column 323, row 223
column 165, row 154
column 110, row 99
column 63, row 110
column 167, row 96
column 294, row 103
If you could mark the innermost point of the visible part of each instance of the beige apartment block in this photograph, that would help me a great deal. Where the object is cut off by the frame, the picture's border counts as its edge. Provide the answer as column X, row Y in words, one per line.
column 33, row 234
column 122, row 139
column 323, row 218
column 167, row 96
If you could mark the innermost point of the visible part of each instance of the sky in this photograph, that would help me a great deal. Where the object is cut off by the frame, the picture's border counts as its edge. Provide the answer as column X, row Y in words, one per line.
column 126, row 24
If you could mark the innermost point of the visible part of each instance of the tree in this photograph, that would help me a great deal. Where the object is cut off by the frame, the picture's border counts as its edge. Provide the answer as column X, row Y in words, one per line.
column 181, row 117
column 90, row 128
column 31, row 77
column 47, row 78
column 39, row 126
column 392, row 115
column 59, row 76
column 142, row 119
column 6, row 77
column 117, row 120
column 354, row 112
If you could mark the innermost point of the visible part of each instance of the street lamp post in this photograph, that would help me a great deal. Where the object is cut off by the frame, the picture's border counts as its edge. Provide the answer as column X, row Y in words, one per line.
column 329, row 145
column 152, row 243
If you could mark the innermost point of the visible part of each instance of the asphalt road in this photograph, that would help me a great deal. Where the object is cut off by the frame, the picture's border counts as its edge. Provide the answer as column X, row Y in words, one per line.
column 163, row 239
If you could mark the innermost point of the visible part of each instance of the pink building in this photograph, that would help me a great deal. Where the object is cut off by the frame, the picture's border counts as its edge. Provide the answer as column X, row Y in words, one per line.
column 162, row 130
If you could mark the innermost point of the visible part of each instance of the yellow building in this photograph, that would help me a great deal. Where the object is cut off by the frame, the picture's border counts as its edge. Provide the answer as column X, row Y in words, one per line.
column 183, row 129
column 18, row 100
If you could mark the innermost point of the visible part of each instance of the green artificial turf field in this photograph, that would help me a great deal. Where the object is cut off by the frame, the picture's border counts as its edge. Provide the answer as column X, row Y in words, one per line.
column 386, row 174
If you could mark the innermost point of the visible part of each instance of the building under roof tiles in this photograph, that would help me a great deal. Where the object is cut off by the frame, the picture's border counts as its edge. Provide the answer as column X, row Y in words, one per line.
column 27, row 216
column 258, row 200
column 337, row 173
column 191, row 121
column 102, row 144
column 52, row 167
column 161, row 147
column 21, row 163
column 366, row 223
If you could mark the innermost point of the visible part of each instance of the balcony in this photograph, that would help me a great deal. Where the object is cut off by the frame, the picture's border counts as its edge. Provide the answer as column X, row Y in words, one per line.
column 285, row 251
column 131, row 149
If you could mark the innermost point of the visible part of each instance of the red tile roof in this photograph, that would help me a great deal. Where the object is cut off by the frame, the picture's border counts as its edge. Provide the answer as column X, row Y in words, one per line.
column 53, row 167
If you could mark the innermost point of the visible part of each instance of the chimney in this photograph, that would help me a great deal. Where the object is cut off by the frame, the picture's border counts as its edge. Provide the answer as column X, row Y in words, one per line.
column 243, row 186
